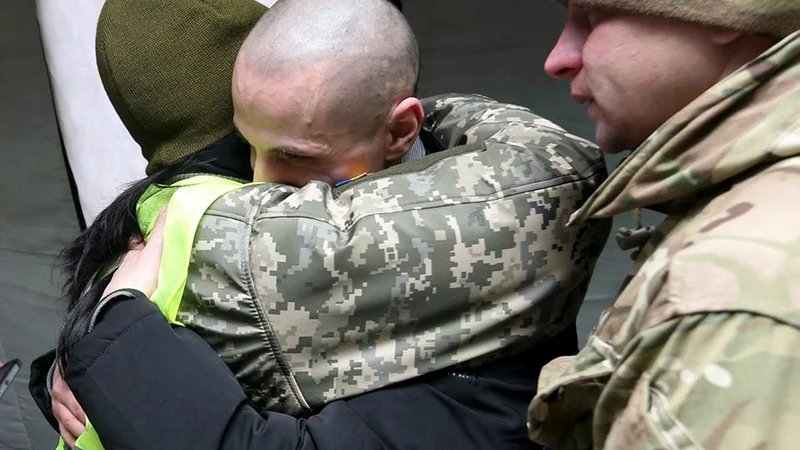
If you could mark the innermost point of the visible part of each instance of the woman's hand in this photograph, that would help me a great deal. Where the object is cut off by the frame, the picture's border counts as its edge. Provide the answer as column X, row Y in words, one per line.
column 69, row 414
column 139, row 267
column 138, row 270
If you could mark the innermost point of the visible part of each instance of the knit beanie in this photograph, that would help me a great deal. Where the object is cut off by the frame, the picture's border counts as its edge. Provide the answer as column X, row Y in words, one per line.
column 167, row 65
column 778, row 18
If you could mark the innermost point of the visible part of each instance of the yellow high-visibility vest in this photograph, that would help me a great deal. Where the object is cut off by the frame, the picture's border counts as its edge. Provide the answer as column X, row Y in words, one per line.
column 188, row 200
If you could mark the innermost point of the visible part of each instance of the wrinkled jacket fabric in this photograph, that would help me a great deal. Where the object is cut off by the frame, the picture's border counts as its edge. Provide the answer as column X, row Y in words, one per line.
column 701, row 348
column 317, row 294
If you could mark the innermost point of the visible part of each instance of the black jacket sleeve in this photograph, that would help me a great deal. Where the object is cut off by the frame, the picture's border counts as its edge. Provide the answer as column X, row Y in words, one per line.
column 38, row 385
column 147, row 385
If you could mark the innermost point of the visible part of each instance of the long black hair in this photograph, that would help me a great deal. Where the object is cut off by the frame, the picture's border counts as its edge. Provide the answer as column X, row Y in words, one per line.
column 89, row 259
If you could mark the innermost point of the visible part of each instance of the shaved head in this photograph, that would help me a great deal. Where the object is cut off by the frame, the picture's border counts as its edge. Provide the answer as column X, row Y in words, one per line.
column 324, row 90
column 363, row 54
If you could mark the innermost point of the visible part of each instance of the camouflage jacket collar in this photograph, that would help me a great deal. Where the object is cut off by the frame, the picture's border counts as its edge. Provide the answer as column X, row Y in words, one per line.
column 749, row 119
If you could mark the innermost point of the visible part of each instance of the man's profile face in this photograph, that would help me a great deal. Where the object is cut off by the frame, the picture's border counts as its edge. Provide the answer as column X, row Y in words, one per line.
column 633, row 72
column 287, row 124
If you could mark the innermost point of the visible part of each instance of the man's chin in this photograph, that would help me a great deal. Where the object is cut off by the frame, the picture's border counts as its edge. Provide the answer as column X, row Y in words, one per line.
column 609, row 147
column 608, row 142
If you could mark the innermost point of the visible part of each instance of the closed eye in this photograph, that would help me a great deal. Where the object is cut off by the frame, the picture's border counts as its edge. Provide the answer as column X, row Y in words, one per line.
column 595, row 17
column 290, row 154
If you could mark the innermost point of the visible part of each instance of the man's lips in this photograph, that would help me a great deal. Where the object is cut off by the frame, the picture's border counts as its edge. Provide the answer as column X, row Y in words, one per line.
column 580, row 98
column 592, row 111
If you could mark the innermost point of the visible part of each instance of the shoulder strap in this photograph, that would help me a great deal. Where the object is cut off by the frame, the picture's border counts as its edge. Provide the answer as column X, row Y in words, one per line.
column 188, row 200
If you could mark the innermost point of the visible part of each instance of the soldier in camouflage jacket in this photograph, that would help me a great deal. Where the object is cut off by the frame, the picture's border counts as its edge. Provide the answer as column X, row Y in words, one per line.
column 701, row 348
column 445, row 261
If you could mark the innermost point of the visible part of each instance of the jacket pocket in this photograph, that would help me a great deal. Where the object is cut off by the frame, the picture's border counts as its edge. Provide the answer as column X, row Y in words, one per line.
column 562, row 415
column 647, row 422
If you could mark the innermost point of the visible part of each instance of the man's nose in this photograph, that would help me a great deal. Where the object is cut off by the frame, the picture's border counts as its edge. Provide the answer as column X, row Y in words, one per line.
column 566, row 58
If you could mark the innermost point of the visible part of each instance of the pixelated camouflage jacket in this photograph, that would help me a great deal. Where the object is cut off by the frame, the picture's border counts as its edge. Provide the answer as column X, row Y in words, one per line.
column 316, row 294
column 701, row 348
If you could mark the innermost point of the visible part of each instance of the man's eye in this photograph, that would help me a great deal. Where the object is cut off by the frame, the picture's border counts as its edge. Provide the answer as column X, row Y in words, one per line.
column 290, row 156
column 595, row 17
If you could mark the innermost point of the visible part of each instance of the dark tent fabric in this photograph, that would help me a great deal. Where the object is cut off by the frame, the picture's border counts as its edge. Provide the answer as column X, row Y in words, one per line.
column 496, row 48
column 37, row 218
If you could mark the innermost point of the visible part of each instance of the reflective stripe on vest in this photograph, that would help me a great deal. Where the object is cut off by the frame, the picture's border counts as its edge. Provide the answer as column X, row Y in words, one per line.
column 188, row 200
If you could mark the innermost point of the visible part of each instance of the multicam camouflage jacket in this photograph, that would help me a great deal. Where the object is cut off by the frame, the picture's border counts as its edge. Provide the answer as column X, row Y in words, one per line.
column 702, row 347
column 316, row 294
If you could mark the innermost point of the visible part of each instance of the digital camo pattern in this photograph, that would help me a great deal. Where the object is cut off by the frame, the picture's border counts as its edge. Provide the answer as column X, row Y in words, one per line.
column 312, row 297
column 702, row 347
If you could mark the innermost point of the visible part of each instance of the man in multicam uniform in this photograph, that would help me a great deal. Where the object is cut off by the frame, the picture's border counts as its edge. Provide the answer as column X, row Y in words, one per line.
column 362, row 307
column 701, row 348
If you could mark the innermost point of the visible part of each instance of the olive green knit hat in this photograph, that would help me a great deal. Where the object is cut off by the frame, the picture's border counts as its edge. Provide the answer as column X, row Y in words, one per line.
column 778, row 18
column 167, row 65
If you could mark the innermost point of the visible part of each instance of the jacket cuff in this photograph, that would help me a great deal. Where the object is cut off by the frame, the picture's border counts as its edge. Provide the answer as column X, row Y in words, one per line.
column 134, row 371
column 39, row 385
column 110, row 300
column 49, row 377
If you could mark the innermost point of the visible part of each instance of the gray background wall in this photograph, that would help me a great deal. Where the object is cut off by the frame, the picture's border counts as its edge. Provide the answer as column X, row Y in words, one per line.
column 37, row 218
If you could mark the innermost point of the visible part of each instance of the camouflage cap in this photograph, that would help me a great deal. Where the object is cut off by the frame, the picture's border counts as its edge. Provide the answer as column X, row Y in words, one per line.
column 778, row 18
column 167, row 65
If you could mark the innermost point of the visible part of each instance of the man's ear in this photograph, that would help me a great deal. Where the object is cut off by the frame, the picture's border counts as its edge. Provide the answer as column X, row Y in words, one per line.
column 405, row 124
